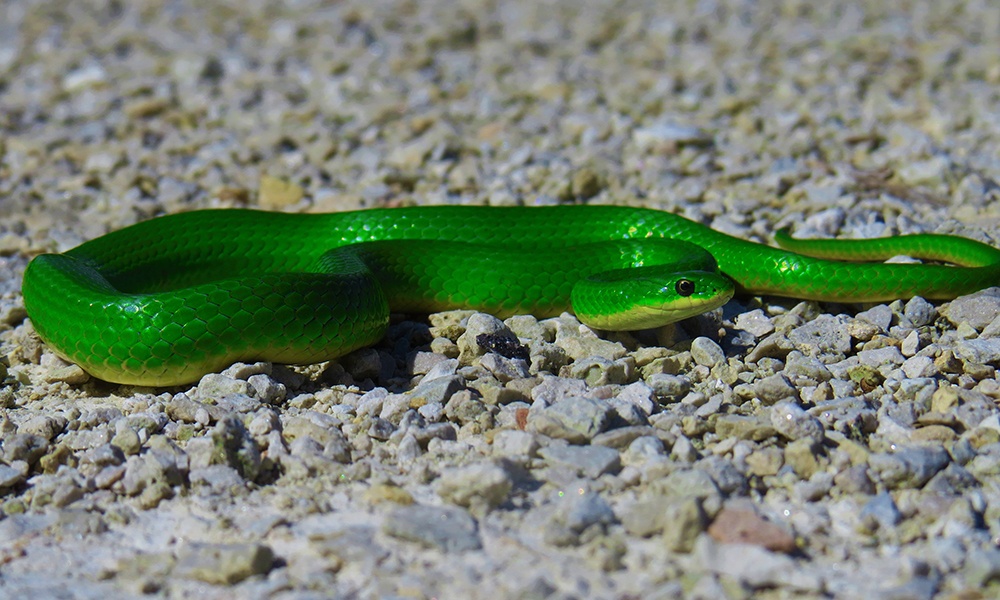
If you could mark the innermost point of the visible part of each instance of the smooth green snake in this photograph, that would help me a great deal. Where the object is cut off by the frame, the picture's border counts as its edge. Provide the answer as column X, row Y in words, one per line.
column 167, row 300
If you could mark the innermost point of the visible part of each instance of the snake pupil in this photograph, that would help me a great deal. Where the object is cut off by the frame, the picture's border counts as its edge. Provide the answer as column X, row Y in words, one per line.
column 685, row 287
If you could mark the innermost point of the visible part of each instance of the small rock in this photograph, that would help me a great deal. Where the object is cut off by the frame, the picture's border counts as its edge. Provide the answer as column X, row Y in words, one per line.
column 755, row 322
column 223, row 564
column 580, row 511
column 576, row 420
column 480, row 324
column 663, row 134
column 590, row 461
column 276, row 194
column 919, row 312
column 982, row 351
column 449, row 529
column 684, row 520
column 880, row 513
column 671, row 388
column 479, row 486
column 9, row 477
column 706, row 352
column 640, row 395
column 977, row 309
column 734, row 525
column 803, row 457
column 514, row 443
column 774, row 388
column 793, row 423
column 824, row 335
column 908, row 468
column 880, row 316
column 438, row 390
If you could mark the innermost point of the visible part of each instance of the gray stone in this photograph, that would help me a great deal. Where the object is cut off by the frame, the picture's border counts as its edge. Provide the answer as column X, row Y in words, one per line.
column 799, row 366
column 589, row 461
column 793, row 423
column 480, row 324
column 910, row 467
column 982, row 567
column 46, row 426
column 824, row 335
column 582, row 343
column 479, row 486
column 503, row 368
column 444, row 368
column 919, row 312
column 362, row 364
column 228, row 443
column 223, row 564
column 640, row 395
column 726, row 476
column 684, row 519
column 983, row 351
column 554, row 389
column 245, row 370
column 644, row 448
column 755, row 322
column 217, row 385
column 266, row 389
column 706, row 352
column 977, row 309
column 670, row 388
column 889, row 355
column 24, row 446
column 774, row 388
column 217, row 480
column 919, row 367
column 580, row 511
column 576, row 420
column 880, row 513
column 756, row 567
column 621, row 437
column 437, row 390
column 597, row 370
column 9, row 476
column 515, row 443
column 445, row 528
column 880, row 316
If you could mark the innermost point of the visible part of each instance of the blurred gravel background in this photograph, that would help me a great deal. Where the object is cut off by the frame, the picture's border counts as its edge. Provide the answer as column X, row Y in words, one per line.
column 777, row 449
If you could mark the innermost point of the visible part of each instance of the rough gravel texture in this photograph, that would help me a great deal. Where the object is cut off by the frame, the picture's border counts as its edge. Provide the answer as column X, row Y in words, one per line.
column 774, row 449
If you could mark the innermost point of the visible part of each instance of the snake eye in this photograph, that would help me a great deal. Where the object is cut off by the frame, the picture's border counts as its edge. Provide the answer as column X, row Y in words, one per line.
column 684, row 287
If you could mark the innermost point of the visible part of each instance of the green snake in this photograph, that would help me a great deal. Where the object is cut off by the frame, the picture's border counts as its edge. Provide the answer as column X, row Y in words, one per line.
column 167, row 300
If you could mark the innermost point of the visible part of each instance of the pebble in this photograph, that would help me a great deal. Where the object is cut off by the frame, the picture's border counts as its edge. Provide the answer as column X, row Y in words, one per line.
column 880, row 513
column 742, row 525
column 513, row 443
column 575, row 420
column 223, row 564
column 684, row 520
column 977, row 310
column 755, row 322
column 794, row 423
column 588, row 461
column 706, row 352
column 909, row 467
column 449, row 529
column 479, row 486
column 825, row 335
column 774, row 388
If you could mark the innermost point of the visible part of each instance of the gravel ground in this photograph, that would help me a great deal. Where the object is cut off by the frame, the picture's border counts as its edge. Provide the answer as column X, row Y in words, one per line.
column 775, row 449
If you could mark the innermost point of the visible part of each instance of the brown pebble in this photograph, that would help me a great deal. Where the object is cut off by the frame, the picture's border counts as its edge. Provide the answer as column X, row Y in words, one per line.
column 744, row 526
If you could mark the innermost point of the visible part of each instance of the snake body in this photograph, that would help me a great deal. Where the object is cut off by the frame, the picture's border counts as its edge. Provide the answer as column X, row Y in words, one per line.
column 164, row 301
